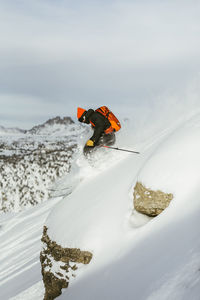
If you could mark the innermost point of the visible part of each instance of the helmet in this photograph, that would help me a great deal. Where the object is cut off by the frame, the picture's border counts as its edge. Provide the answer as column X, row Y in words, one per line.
column 80, row 112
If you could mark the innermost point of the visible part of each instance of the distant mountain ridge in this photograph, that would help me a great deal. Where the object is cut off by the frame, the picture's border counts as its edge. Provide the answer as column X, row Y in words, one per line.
column 14, row 130
column 57, row 123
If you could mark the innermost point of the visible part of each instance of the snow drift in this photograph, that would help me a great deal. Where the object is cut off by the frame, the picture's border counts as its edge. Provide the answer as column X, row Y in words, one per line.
column 99, row 217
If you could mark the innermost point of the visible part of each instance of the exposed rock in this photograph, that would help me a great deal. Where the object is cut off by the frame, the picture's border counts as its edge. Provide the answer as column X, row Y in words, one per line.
column 59, row 265
column 149, row 202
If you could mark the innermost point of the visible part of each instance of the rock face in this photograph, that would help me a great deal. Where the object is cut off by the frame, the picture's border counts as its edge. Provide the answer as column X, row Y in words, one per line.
column 59, row 265
column 149, row 202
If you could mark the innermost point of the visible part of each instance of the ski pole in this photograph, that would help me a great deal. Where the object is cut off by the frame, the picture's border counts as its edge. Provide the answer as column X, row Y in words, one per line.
column 115, row 148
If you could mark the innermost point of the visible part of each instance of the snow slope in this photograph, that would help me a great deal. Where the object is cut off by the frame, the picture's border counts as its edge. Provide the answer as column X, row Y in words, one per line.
column 20, row 235
column 99, row 218
column 134, row 257
column 10, row 131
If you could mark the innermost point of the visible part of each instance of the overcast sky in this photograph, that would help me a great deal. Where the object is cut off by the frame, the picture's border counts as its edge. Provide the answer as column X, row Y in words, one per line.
column 57, row 55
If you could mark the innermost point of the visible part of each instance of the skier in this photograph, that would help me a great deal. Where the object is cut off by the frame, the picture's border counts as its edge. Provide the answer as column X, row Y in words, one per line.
column 103, row 131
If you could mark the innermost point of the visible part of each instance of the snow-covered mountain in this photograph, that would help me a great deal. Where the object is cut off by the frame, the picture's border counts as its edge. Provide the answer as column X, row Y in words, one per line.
column 11, row 131
column 54, row 126
column 31, row 160
column 133, row 256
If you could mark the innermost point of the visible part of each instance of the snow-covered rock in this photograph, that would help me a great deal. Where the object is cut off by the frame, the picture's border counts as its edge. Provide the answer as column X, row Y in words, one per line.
column 174, row 165
column 171, row 171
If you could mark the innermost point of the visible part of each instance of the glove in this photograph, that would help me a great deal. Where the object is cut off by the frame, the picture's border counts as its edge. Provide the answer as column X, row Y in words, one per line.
column 90, row 143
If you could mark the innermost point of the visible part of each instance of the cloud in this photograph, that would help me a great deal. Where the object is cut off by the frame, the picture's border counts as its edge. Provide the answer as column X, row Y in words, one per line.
column 88, row 52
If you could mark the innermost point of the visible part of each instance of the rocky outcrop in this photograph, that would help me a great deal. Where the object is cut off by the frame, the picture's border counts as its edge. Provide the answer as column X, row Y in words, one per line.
column 59, row 265
column 149, row 202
